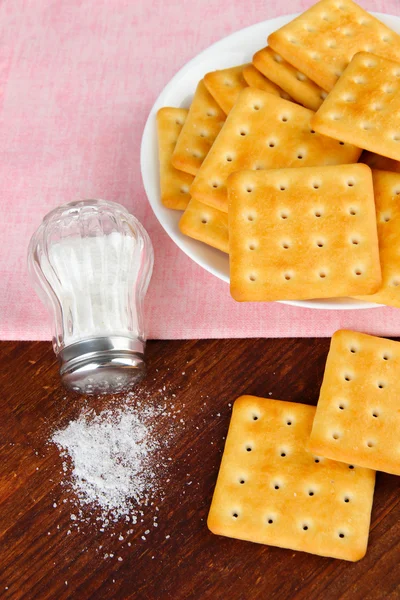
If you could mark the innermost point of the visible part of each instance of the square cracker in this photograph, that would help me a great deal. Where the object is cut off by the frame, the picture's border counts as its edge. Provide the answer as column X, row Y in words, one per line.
column 387, row 203
column 302, row 233
column 174, row 184
column 364, row 106
column 255, row 78
column 225, row 86
column 206, row 224
column 375, row 161
column 295, row 83
column 270, row 490
column 263, row 131
column 358, row 412
column 202, row 125
column 323, row 40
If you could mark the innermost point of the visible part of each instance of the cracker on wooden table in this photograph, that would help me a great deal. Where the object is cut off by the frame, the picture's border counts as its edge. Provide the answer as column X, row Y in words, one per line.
column 375, row 161
column 202, row 125
column 302, row 233
column 364, row 106
column 295, row 83
column 174, row 184
column 323, row 40
column 263, row 131
column 387, row 203
column 270, row 490
column 206, row 224
column 255, row 78
column 358, row 418
column 225, row 86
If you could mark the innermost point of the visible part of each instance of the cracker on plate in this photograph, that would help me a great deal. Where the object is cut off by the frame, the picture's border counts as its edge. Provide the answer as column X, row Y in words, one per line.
column 174, row 184
column 255, row 78
column 225, row 85
column 387, row 203
column 202, row 125
column 364, row 106
column 263, row 131
column 302, row 233
column 296, row 84
column 322, row 41
column 206, row 224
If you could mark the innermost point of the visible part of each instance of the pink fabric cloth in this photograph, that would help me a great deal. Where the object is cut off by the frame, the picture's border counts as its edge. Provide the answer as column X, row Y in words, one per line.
column 77, row 80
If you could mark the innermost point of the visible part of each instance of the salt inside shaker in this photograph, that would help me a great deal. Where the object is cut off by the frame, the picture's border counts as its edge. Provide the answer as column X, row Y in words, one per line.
column 91, row 262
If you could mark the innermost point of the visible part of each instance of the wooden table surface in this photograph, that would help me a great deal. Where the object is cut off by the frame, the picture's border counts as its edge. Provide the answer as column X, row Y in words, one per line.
column 180, row 559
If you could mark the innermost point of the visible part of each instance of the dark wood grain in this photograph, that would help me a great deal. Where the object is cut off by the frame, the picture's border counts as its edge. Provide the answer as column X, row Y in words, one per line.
column 39, row 560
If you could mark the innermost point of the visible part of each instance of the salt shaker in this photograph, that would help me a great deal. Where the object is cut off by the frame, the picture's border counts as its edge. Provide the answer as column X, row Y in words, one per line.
column 91, row 262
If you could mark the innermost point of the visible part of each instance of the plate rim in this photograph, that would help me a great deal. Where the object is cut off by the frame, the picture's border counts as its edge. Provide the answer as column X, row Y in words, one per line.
column 315, row 304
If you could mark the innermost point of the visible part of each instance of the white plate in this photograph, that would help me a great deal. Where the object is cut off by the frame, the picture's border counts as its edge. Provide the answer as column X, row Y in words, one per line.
column 235, row 49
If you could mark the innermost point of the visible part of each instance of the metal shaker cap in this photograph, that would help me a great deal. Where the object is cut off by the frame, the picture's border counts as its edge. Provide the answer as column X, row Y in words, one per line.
column 102, row 365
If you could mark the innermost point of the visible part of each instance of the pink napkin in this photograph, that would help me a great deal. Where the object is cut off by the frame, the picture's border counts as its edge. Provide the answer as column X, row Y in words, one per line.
column 77, row 80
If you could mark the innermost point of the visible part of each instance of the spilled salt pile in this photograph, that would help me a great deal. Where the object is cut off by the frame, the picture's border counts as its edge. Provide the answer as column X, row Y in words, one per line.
column 114, row 457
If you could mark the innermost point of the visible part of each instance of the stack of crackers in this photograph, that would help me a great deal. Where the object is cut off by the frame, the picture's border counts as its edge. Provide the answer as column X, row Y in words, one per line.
column 301, row 477
column 266, row 165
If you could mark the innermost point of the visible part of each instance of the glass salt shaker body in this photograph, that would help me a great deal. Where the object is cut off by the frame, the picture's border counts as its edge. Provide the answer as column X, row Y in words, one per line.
column 91, row 262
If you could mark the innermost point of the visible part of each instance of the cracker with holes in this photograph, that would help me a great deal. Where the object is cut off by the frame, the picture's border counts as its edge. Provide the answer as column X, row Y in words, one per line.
column 225, row 86
column 270, row 490
column 263, row 131
column 375, row 161
column 387, row 202
column 302, row 233
column 174, row 184
column 364, row 106
column 358, row 412
column 295, row 83
column 322, row 41
column 202, row 125
column 254, row 78
column 206, row 224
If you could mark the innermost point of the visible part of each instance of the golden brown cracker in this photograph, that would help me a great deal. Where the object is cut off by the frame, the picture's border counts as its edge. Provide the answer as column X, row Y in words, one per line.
column 206, row 224
column 270, row 490
column 202, row 125
column 357, row 419
column 174, row 184
column 387, row 203
column 296, row 84
column 302, row 233
column 322, row 41
column 263, row 131
column 225, row 86
column 364, row 106
column 255, row 78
